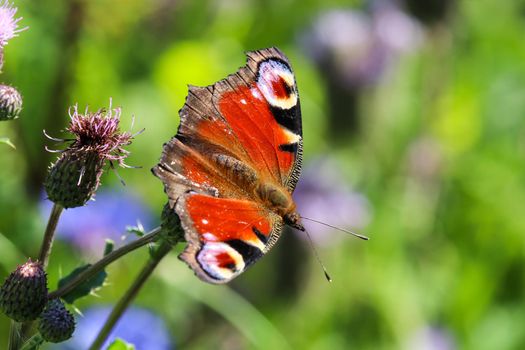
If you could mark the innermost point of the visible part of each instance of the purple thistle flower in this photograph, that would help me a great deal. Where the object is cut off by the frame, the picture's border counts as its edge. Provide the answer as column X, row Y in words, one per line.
column 10, row 102
column 99, row 133
column 137, row 326
column 8, row 23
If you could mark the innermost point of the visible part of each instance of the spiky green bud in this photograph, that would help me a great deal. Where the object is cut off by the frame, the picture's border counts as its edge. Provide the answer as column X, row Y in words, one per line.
column 10, row 103
column 23, row 295
column 56, row 323
column 170, row 223
column 74, row 178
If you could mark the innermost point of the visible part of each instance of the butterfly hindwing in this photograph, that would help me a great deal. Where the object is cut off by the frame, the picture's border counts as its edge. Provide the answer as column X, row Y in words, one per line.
column 225, row 236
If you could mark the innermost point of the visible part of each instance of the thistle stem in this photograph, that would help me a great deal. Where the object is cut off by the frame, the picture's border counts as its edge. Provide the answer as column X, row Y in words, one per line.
column 33, row 343
column 105, row 261
column 49, row 235
column 130, row 294
column 14, row 335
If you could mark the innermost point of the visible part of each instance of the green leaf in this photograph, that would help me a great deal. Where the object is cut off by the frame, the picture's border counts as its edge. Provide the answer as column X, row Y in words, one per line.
column 7, row 142
column 85, row 288
column 120, row 344
column 137, row 230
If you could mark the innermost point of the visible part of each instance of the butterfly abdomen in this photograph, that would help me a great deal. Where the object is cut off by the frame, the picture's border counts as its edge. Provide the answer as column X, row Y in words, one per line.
column 276, row 198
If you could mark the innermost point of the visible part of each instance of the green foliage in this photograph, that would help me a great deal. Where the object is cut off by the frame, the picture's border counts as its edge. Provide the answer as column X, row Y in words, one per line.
column 84, row 289
column 120, row 344
column 89, row 286
column 6, row 141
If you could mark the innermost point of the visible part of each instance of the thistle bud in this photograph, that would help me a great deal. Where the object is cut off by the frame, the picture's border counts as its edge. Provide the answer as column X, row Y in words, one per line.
column 56, row 324
column 23, row 295
column 75, row 176
column 10, row 102
column 170, row 223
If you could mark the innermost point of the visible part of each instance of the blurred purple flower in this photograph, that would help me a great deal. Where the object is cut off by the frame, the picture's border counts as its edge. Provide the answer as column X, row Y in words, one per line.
column 394, row 28
column 430, row 338
column 356, row 47
column 107, row 216
column 8, row 23
column 425, row 159
column 322, row 194
column 137, row 326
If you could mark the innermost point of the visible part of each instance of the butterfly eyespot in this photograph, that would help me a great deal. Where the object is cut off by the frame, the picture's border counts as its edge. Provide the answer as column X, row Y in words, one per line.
column 220, row 261
column 277, row 84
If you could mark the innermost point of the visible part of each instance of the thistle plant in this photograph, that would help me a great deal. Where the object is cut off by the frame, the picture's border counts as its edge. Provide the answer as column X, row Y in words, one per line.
column 75, row 176
column 10, row 103
column 73, row 179
column 10, row 98
column 23, row 295
column 56, row 323
column 8, row 26
column 95, row 145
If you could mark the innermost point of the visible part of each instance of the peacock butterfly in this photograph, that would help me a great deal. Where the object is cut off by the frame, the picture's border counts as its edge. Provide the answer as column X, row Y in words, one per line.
column 230, row 170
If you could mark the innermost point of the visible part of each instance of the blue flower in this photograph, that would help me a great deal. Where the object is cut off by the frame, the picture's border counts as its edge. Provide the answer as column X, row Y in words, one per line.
column 107, row 216
column 137, row 326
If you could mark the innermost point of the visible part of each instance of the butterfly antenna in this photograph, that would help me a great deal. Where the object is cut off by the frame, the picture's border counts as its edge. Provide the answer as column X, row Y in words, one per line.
column 311, row 243
column 338, row 228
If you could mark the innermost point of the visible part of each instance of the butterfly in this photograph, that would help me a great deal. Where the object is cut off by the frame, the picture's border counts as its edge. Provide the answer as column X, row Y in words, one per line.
column 230, row 170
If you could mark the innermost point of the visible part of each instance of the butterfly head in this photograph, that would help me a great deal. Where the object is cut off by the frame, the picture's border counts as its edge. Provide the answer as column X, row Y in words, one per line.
column 294, row 220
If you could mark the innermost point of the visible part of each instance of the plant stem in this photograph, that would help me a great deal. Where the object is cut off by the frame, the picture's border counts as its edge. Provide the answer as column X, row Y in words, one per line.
column 14, row 335
column 49, row 235
column 130, row 294
column 105, row 261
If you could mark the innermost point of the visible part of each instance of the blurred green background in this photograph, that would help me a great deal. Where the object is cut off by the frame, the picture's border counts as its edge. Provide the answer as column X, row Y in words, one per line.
column 413, row 132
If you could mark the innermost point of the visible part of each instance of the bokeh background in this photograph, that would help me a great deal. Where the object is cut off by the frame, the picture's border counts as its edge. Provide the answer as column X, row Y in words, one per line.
column 413, row 115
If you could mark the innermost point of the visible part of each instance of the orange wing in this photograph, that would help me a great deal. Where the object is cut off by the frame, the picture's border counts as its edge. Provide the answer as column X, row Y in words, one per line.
column 241, row 131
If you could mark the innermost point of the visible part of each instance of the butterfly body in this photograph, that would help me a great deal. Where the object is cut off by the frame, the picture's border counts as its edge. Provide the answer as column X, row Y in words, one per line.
column 232, row 167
